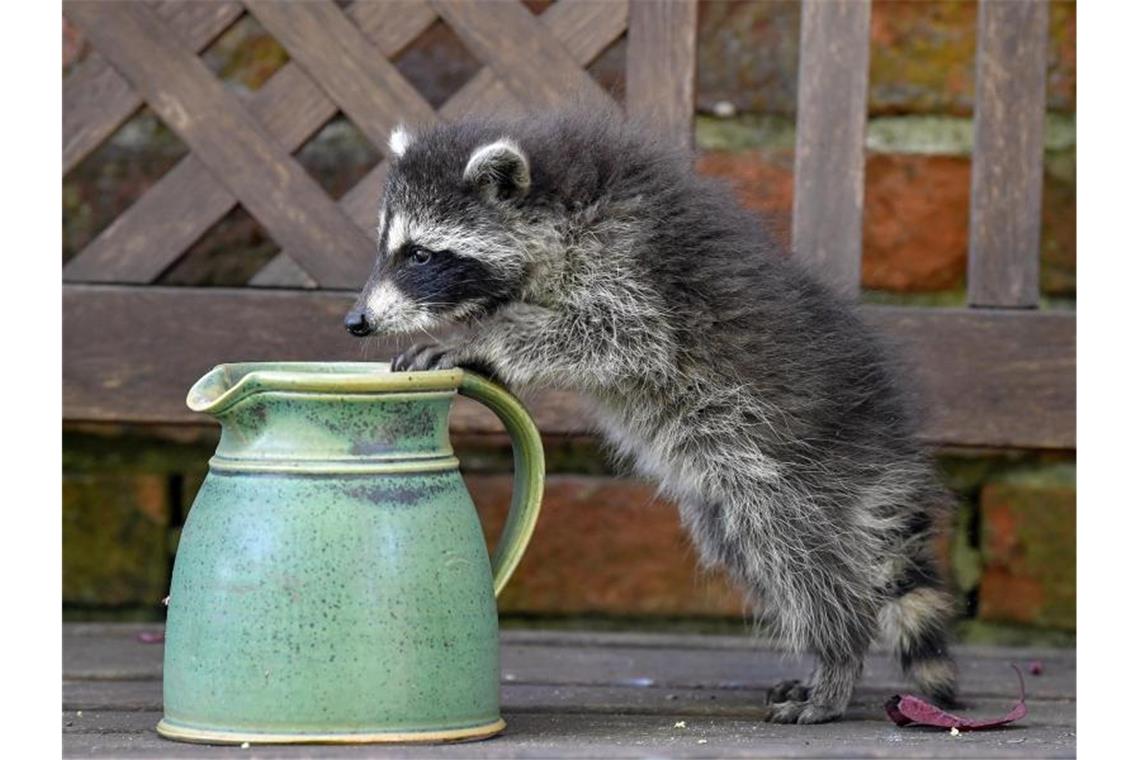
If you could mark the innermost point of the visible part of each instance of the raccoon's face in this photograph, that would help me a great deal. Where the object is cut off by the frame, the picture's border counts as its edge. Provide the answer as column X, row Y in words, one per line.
column 448, row 251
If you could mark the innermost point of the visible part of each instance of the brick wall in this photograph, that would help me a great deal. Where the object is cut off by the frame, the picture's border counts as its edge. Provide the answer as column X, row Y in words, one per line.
column 605, row 548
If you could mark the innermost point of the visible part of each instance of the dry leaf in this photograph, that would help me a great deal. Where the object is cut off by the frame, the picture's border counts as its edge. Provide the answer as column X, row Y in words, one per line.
column 907, row 709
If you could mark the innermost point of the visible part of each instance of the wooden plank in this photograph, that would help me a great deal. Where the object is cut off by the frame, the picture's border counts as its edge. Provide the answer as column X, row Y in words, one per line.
column 270, row 184
column 282, row 272
column 586, row 27
column 631, row 695
column 993, row 378
column 660, row 80
column 530, row 61
column 1009, row 152
column 338, row 56
column 831, row 116
column 566, row 733
column 396, row 27
column 989, row 380
column 627, row 699
column 111, row 652
column 97, row 99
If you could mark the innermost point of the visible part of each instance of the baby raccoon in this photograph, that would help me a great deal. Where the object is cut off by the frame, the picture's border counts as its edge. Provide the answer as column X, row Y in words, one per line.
column 583, row 256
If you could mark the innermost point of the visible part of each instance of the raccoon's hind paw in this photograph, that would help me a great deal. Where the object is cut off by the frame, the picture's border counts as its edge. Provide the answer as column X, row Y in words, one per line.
column 425, row 356
column 786, row 712
column 796, row 711
column 814, row 713
column 790, row 702
column 792, row 690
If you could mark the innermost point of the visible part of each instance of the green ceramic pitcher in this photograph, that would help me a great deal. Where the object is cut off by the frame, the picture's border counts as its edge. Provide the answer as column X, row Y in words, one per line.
column 332, row 583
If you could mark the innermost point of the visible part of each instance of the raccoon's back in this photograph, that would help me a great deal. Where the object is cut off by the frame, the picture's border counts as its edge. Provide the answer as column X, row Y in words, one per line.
column 741, row 304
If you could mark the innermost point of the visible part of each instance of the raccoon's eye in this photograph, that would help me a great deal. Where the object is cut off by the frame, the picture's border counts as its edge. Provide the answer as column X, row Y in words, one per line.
column 419, row 255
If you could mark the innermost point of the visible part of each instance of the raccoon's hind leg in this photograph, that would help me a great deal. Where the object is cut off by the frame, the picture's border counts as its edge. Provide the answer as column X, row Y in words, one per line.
column 818, row 601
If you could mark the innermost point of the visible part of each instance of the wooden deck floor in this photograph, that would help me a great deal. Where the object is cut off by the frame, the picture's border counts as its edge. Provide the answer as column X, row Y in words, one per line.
column 608, row 695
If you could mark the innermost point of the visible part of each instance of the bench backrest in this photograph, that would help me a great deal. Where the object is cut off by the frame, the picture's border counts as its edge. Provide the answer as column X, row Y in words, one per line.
column 1000, row 372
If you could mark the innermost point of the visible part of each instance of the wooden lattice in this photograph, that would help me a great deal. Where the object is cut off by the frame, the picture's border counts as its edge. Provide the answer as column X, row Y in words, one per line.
column 1001, row 373
column 241, row 152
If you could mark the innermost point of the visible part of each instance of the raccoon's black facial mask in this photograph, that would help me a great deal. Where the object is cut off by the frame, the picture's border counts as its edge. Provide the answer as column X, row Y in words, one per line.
column 445, row 282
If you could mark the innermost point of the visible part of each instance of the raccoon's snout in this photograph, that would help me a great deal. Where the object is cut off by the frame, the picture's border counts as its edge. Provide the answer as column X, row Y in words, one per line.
column 357, row 323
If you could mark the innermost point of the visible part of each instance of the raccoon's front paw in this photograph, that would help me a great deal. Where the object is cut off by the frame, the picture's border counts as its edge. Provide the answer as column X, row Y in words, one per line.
column 426, row 356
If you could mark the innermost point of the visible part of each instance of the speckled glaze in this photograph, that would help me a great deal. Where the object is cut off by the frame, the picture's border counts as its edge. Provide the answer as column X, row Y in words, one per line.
column 332, row 582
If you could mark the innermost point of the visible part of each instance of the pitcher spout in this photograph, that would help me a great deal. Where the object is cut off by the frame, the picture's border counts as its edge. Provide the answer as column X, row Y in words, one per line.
column 211, row 391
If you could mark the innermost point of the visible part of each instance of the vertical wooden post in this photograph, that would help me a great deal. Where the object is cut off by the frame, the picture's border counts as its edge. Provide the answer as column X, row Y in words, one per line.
column 1009, row 146
column 831, row 118
column 661, row 65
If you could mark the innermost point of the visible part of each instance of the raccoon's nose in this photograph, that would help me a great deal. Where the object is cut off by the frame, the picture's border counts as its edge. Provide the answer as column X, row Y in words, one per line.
column 356, row 322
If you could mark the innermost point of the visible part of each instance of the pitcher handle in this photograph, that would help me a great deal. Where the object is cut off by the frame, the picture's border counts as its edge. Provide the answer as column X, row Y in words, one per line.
column 530, row 470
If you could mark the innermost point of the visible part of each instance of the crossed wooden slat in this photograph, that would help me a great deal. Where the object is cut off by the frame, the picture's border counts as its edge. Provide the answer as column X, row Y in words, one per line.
column 96, row 98
column 352, row 73
column 230, row 142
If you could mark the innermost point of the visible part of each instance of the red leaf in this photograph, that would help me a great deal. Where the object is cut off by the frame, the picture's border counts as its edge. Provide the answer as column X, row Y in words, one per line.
column 150, row 637
column 906, row 709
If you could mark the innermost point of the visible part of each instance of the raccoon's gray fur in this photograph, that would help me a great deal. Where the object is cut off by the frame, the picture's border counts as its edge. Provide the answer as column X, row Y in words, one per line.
column 584, row 256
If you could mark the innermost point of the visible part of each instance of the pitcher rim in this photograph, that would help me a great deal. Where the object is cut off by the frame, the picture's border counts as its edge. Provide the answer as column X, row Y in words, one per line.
column 226, row 384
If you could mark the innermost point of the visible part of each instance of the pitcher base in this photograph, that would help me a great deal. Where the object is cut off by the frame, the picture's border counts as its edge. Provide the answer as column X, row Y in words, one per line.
column 207, row 736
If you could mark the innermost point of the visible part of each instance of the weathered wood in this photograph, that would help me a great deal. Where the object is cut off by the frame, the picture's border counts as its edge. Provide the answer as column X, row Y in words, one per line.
column 662, row 65
column 990, row 380
column 831, row 116
column 993, row 378
column 1009, row 152
column 530, row 60
column 97, row 99
column 147, row 238
column 571, row 734
column 611, row 695
column 270, row 184
column 355, row 74
column 397, row 26
column 282, row 272
column 632, row 698
column 101, row 652
column 586, row 27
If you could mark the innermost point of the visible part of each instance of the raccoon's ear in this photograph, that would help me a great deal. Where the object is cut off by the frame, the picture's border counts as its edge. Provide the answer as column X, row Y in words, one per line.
column 499, row 169
column 399, row 141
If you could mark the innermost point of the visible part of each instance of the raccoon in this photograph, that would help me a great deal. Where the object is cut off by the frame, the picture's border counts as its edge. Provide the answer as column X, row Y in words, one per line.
column 582, row 254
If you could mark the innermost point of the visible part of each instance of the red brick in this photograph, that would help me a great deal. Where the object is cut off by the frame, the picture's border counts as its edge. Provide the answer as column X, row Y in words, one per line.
column 922, row 56
column 916, row 222
column 604, row 545
column 1029, row 554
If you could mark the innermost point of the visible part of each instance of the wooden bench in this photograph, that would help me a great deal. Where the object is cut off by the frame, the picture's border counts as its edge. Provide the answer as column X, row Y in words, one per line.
column 1000, row 373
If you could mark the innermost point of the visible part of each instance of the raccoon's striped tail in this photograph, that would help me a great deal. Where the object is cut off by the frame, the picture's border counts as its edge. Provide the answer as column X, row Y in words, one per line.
column 915, row 624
